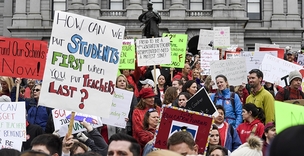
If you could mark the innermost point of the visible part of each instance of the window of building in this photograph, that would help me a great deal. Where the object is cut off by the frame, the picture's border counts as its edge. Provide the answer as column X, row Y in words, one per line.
column 59, row 5
column 196, row 4
column 116, row 4
column 158, row 4
column 254, row 9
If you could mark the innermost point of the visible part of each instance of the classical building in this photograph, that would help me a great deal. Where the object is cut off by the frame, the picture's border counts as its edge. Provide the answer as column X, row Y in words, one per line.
column 250, row 21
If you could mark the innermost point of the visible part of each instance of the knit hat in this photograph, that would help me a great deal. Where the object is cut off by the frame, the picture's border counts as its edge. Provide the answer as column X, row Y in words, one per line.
column 289, row 142
column 268, row 126
column 146, row 93
column 147, row 81
column 253, row 147
column 5, row 98
column 294, row 74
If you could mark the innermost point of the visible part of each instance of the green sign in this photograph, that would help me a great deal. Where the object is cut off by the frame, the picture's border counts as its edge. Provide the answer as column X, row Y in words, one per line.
column 287, row 115
column 178, row 49
column 127, row 55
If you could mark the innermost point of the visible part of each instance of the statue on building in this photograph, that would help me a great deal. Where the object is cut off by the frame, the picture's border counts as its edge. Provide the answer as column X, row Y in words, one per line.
column 150, row 19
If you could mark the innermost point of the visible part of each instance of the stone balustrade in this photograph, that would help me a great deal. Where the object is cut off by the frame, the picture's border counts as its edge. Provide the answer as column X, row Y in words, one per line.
column 198, row 13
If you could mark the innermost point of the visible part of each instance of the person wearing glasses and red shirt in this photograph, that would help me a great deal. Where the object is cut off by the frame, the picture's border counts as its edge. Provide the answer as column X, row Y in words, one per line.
column 146, row 102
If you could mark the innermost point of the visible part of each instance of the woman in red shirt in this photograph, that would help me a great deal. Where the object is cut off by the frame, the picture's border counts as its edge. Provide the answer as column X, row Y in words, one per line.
column 254, row 118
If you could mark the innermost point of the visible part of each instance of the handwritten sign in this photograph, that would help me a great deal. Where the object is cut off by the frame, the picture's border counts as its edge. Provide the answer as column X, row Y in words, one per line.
column 153, row 51
column 12, row 124
column 254, row 59
column 61, row 122
column 172, row 119
column 232, row 55
column 201, row 102
column 206, row 57
column 22, row 58
column 287, row 115
column 178, row 45
column 275, row 68
column 258, row 45
column 127, row 56
column 82, row 64
column 120, row 108
column 221, row 37
column 300, row 59
column 205, row 38
column 234, row 69
column 280, row 51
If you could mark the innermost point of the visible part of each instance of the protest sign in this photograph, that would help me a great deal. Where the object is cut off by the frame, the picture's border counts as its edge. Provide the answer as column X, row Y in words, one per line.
column 258, row 45
column 234, row 69
column 280, row 51
column 205, row 38
column 206, row 57
column 22, row 58
column 153, row 51
column 274, row 69
column 173, row 119
column 300, row 59
column 254, row 59
column 61, row 122
column 232, row 55
column 120, row 108
column 12, row 124
column 82, row 64
column 178, row 45
column 221, row 37
column 287, row 115
column 201, row 102
column 127, row 55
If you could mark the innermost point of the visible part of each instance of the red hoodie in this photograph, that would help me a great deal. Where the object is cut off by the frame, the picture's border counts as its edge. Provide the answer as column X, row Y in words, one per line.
column 244, row 129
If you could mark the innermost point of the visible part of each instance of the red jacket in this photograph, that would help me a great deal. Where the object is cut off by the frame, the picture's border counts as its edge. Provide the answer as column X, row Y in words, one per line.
column 179, row 75
column 293, row 94
column 244, row 129
column 144, row 136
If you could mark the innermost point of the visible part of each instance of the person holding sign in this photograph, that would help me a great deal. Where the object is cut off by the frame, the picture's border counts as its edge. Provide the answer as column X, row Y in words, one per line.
column 146, row 102
column 229, row 100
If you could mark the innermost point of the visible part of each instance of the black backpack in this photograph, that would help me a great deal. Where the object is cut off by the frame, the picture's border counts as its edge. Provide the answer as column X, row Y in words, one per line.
column 232, row 95
column 287, row 93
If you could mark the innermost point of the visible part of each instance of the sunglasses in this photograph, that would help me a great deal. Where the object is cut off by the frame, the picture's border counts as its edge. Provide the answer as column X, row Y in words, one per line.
column 151, row 110
column 36, row 90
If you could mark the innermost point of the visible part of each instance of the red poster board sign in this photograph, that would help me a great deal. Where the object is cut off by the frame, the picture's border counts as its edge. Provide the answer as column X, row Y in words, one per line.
column 172, row 119
column 279, row 50
column 22, row 58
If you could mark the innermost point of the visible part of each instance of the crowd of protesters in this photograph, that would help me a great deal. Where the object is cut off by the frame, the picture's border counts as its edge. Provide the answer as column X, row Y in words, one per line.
column 245, row 124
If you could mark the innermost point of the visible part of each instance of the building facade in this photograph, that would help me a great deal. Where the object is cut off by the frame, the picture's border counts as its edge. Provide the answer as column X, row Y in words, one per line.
column 250, row 21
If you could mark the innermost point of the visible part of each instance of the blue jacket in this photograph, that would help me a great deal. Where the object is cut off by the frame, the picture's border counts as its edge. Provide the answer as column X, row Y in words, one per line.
column 232, row 139
column 37, row 114
column 233, row 117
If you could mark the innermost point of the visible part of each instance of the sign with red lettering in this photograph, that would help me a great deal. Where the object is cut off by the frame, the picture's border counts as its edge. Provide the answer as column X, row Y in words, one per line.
column 173, row 119
column 22, row 58
column 82, row 64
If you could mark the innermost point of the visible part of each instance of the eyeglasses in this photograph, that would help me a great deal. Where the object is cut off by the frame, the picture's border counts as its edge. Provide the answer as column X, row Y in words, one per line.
column 36, row 90
column 151, row 110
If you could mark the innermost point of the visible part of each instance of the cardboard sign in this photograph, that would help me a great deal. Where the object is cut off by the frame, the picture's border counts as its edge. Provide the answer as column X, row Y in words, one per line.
column 258, row 45
column 300, row 59
column 22, row 58
column 127, row 56
column 205, row 38
column 280, row 51
column 173, row 119
column 120, row 108
column 153, row 51
column 254, row 59
column 206, row 57
column 82, row 64
column 275, row 68
column 61, row 121
column 201, row 102
column 234, row 69
column 287, row 115
column 221, row 37
column 178, row 45
column 297, row 102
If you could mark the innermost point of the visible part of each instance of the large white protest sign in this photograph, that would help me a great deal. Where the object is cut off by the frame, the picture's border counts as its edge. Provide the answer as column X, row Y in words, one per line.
column 254, row 59
column 233, row 69
column 82, row 64
column 300, row 59
column 153, row 51
column 61, row 121
column 120, row 108
column 205, row 38
column 275, row 68
column 258, row 45
column 12, row 124
column 206, row 57
column 221, row 37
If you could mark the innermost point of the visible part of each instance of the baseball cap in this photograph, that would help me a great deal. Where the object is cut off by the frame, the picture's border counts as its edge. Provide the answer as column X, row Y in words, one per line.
column 147, row 81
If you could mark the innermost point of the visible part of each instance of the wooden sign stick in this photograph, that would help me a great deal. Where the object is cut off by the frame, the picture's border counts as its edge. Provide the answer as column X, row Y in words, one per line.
column 71, row 124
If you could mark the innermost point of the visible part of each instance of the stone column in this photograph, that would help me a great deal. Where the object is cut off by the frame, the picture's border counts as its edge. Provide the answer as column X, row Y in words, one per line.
column 134, row 9
column 34, row 16
column 278, row 9
column 7, row 17
column 20, row 17
column 293, row 17
column 177, row 9
column 77, row 7
column 92, row 9
column 235, row 3
column 219, row 3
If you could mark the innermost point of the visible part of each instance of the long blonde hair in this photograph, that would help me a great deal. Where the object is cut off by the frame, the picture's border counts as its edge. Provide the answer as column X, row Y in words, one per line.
column 9, row 81
column 123, row 76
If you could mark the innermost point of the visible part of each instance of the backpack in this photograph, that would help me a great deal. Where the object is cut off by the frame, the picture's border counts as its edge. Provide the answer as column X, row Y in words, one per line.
column 232, row 95
column 287, row 93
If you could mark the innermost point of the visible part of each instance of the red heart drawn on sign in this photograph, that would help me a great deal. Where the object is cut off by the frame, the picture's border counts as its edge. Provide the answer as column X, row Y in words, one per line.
column 302, row 72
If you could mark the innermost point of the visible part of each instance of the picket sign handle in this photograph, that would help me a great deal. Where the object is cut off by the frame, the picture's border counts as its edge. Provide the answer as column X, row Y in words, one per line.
column 17, row 91
column 71, row 124
column 154, row 69
column 171, row 73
